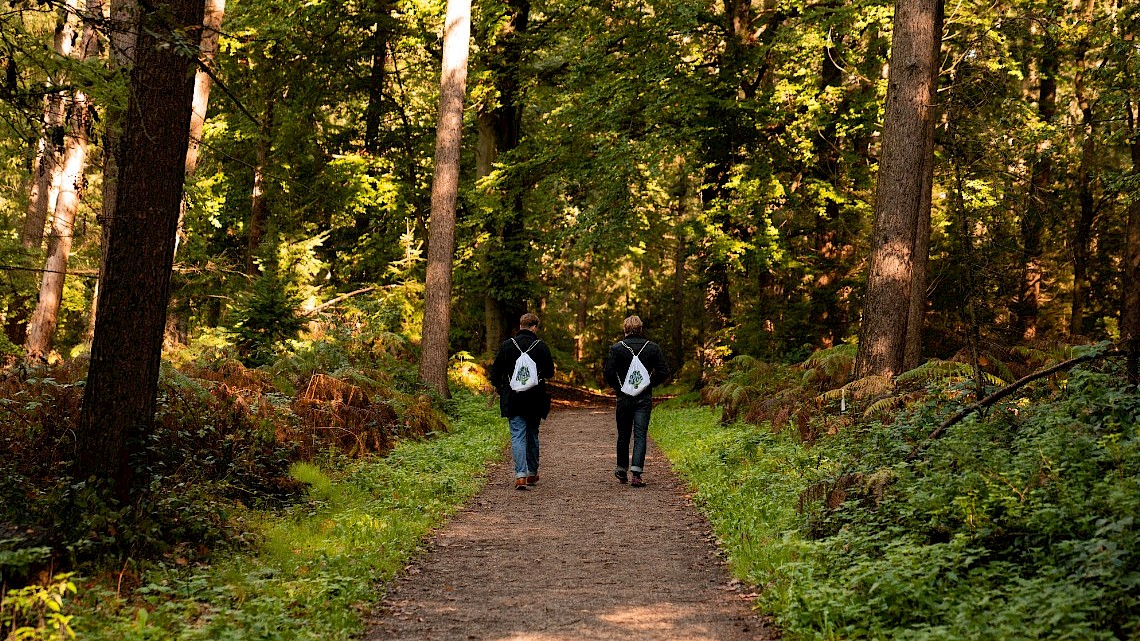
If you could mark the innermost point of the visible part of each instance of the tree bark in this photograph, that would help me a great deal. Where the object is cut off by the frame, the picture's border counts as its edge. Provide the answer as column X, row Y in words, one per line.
column 444, row 194
column 374, row 112
column 908, row 122
column 77, row 122
column 500, row 130
column 1040, row 202
column 123, row 41
column 582, row 311
column 258, row 216
column 215, row 11
column 120, row 394
column 1130, row 315
column 916, row 315
column 47, row 168
column 1082, row 233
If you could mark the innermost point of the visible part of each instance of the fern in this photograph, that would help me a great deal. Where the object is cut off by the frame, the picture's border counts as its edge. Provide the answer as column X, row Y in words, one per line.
column 945, row 371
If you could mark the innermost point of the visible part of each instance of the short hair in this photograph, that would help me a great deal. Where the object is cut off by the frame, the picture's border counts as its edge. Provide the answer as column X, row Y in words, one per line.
column 632, row 326
column 528, row 320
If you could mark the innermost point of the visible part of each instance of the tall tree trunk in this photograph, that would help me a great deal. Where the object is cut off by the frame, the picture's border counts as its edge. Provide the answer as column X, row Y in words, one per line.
column 47, row 168
column 444, row 194
column 582, row 311
column 258, row 215
column 1130, row 315
column 122, row 382
column 908, row 122
column 1082, row 232
column 77, row 121
column 916, row 314
column 486, row 152
column 1040, row 201
column 678, row 328
column 500, row 130
column 374, row 112
column 123, row 39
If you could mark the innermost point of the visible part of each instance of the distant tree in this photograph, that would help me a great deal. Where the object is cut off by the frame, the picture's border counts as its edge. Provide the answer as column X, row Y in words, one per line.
column 444, row 193
column 908, row 127
column 122, row 382
column 59, row 173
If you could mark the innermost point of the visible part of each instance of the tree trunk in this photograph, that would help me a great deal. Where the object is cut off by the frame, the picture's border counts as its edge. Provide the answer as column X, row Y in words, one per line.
column 500, row 130
column 1130, row 315
column 908, row 122
column 1082, row 233
column 208, row 51
column 122, row 382
column 916, row 315
column 582, row 311
column 77, row 121
column 444, row 193
column 1040, row 202
column 47, row 168
column 257, row 207
column 374, row 112
column 678, row 329
column 123, row 40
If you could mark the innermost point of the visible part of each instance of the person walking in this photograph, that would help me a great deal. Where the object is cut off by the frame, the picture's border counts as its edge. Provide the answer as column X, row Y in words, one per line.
column 521, row 369
column 634, row 365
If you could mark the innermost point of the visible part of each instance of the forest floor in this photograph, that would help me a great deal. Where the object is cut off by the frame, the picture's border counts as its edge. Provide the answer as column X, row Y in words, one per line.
column 577, row 556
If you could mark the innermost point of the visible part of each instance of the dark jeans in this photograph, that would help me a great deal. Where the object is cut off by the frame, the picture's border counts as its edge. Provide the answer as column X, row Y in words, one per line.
column 633, row 418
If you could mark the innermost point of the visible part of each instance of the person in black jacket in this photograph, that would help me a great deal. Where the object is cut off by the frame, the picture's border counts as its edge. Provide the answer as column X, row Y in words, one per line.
column 633, row 411
column 523, row 410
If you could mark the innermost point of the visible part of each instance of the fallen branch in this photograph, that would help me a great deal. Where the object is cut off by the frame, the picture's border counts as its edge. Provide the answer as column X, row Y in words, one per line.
column 338, row 299
column 1010, row 389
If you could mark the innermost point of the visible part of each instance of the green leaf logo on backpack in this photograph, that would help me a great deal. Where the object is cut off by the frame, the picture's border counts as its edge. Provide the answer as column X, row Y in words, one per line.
column 636, row 379
column 523, row 375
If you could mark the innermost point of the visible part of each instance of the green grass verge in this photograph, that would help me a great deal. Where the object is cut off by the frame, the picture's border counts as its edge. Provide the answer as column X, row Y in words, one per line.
column 316, row 570
column 746, row 480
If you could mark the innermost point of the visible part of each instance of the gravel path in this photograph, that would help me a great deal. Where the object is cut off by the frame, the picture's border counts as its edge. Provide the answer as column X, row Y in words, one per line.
column 576, row 557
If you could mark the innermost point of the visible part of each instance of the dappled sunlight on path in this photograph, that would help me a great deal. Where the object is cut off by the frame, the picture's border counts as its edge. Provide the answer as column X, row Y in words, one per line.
column 579, row 556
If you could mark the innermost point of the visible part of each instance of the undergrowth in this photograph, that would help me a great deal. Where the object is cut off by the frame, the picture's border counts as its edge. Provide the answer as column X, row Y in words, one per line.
column 1019, row 524
column 312, row 570
column 222, row 511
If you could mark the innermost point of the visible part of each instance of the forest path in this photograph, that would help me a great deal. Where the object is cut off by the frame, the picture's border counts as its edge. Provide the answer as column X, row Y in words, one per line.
column 578, row 556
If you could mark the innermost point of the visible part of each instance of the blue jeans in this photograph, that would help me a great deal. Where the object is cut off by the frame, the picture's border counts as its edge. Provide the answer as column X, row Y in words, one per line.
column 633, row 419
column 524, row 444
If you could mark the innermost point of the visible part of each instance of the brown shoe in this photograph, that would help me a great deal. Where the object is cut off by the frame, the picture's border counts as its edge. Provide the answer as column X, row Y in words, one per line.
column 531, row 480
column 520, row 483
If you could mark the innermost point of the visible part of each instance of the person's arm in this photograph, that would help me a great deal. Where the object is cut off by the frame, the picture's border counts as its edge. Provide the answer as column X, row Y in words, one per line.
column 660, row 367
column 611, row 374
column 500, row 370
column 546, row 363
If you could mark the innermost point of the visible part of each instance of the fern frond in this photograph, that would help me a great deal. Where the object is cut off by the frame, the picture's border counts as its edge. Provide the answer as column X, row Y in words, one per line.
column 869, row 386
column 845, row 350
column 884, row 405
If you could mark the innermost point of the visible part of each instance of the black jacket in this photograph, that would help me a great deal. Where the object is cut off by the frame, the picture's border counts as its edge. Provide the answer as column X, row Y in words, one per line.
column 617, row 363
column 534, row 401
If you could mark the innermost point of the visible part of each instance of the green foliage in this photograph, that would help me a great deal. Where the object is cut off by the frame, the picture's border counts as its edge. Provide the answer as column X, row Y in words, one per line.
column 314, row 570
column 266, row 318
column 38, row 612
column 1019, row 524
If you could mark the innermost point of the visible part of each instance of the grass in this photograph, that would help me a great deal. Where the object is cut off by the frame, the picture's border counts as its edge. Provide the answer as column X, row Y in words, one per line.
column 315, row 570
column 746, row 480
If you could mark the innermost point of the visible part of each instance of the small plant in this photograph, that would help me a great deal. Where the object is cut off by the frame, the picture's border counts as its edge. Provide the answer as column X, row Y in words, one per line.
column 38, row 612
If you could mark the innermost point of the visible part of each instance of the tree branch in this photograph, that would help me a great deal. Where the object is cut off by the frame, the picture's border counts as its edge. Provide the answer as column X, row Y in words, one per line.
column 1010, row 389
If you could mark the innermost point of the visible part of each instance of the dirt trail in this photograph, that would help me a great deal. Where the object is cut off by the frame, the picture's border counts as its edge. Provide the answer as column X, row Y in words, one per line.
column 576, row 557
